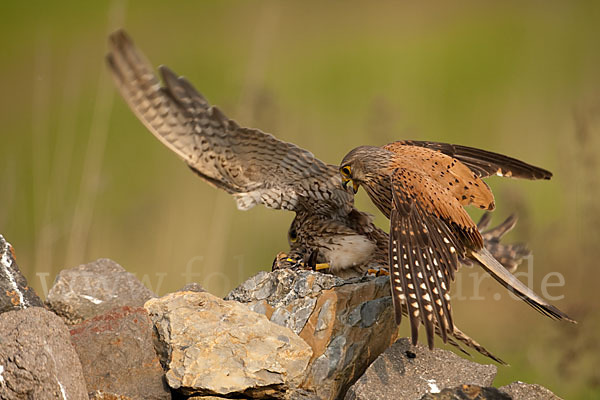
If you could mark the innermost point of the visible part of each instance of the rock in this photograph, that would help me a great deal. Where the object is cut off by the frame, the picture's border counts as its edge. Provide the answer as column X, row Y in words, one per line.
column 192, row 287
column 528, row 391
column 468, row 392
column 101, row 395
column 212, row 398
column 346, row 323
column 93, row 289
column 37, row 359
column 409, row 372
column 218, row 347
column 117, row 354
column 15, row 294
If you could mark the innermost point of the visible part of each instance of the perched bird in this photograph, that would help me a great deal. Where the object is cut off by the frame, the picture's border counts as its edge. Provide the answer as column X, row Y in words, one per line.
column 257, row 168
column 422, row 187
column 319, row 235
column 309, row 233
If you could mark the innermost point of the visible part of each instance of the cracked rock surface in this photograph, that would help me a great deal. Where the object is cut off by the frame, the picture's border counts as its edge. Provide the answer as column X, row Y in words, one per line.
column 217, row 347
column 37, row 359
column 346, row 323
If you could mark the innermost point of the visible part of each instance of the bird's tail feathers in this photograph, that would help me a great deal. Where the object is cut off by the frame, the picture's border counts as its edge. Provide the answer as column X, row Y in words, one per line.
column 509, row 281
column 460, row 336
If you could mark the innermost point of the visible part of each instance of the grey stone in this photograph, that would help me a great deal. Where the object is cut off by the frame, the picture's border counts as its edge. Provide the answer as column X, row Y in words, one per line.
column 282, row 287
column 409, row 372
column 93, row 289
column 37, row 359
column 101, row 395
column 467, row 392
column 15, row 294
column 527, row 391
column 217, row 347
column 346, row 323
column 212, row 398
column 192, row 287
column 117, row 354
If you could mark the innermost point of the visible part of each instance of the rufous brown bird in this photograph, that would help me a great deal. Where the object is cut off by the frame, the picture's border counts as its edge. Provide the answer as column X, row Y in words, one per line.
column 422, row 187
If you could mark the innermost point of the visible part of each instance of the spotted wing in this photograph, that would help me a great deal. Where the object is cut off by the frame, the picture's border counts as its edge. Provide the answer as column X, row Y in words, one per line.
column 427, row 239
column 255, row 167
column 481, row 162
column 451, row 174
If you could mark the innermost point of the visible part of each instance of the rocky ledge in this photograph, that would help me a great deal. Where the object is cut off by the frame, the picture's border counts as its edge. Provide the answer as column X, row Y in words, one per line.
column 280, row 335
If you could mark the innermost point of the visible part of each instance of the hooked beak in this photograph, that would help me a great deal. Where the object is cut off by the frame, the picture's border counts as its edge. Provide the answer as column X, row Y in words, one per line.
column 354, row 184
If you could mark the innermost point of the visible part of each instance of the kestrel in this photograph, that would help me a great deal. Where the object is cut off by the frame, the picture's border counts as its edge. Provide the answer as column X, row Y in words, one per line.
column 257, row 168
column 253, row 166
column 422, row 187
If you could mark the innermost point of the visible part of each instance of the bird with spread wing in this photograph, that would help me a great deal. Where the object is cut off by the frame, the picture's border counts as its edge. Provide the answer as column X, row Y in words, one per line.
column 422, row 187
column 257, row 168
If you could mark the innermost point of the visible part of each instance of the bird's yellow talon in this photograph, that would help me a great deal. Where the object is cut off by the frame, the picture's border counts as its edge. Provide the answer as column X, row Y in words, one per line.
column 321, row 266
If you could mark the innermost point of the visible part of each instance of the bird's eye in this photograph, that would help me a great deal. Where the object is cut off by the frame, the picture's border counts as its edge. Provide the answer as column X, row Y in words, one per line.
column 345, row 171
column 293, row 235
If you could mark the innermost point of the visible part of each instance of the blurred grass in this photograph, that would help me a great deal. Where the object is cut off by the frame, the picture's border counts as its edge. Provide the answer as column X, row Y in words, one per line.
column 516, row 78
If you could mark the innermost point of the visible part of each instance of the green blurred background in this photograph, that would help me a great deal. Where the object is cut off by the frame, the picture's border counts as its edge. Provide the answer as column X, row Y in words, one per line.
column 81, row 178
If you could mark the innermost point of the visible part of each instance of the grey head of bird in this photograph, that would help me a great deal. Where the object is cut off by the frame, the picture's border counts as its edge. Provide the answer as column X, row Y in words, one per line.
column 364, row 163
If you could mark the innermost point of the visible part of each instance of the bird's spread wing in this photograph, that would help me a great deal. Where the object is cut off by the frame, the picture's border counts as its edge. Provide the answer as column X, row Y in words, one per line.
column 428, row 236
column 481, row 162
column 254, row 166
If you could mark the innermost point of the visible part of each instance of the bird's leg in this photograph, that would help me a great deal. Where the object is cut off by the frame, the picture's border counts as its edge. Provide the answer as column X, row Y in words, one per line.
column 321, row 266
column 310, row 262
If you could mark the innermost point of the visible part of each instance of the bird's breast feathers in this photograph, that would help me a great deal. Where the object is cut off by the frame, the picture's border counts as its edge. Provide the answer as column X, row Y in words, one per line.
column 348, row 251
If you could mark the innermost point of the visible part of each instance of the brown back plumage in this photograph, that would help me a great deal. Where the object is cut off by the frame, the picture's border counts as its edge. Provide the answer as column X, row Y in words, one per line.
column 453, row 176
column 482, row 162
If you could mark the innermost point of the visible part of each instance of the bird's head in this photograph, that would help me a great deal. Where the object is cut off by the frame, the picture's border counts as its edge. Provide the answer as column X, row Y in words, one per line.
column 356, row 165
column 346, row 172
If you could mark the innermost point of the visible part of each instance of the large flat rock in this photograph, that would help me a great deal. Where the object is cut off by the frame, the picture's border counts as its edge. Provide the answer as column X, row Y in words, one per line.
column 217, row 347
